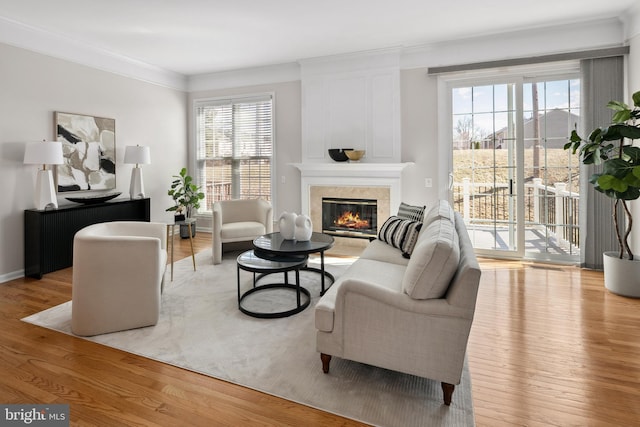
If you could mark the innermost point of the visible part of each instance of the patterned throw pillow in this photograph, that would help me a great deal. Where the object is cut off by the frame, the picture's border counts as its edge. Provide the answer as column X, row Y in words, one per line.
column 414, row 213
column 400, row 233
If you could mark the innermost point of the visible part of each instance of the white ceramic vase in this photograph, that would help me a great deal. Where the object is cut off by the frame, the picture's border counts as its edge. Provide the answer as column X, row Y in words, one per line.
column 304, row 228
column 287, row 225
column 621, row 276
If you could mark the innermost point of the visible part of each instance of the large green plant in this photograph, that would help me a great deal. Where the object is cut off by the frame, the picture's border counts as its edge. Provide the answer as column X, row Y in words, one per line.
column 612, row 146
column 186, row 195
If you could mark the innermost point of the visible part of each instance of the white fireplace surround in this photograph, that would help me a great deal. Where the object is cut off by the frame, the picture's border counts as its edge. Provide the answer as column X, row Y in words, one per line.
column 351, row 175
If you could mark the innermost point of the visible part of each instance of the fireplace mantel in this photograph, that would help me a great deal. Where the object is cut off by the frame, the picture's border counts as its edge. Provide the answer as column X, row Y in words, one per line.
column 347, row 169
column 360, row 174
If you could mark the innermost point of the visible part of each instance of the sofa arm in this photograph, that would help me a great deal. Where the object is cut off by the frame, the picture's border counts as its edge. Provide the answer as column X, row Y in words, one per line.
column 332, row 306
column 217, row 219
column 399, row 300
column 265, row 214
column 155, row 230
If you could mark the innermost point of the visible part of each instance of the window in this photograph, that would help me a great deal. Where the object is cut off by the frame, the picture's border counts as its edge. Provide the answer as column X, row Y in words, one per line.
column 234, row 148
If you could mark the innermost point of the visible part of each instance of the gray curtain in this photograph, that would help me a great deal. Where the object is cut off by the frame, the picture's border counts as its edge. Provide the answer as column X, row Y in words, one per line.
column 602, row 81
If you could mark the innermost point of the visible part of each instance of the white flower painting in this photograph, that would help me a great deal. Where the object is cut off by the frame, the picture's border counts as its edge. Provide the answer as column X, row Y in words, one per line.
column 89, row 149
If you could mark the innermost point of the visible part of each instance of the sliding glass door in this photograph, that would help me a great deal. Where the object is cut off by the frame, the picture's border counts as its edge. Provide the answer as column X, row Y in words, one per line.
column 513, row 182
column 485, row 164
column 551, row 173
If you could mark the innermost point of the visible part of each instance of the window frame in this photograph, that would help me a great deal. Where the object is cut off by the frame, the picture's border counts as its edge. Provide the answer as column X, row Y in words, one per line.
column 195, row 161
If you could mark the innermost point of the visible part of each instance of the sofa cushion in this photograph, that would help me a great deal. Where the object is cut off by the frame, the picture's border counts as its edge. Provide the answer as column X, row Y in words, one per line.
column 414, row 213
column 378, row 250
column 236, row 231
column 440, row 210
column 400, row 233
column 378, row 274
column 434, row 261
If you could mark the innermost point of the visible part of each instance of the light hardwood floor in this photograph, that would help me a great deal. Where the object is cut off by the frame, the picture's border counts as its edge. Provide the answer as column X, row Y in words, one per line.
column 549, row 346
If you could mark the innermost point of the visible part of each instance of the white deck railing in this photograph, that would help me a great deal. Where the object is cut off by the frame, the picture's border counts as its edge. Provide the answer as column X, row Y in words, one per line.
column 550, row 207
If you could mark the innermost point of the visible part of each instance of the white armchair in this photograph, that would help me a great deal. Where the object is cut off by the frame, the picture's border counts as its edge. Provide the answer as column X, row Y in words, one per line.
column 118, row 270
column 239, row 221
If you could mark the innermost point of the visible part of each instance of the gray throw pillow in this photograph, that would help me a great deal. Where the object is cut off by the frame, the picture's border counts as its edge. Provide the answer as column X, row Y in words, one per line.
column 414, row 213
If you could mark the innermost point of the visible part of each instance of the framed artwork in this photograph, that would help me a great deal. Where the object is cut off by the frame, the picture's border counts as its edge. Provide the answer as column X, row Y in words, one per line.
column 89, row 149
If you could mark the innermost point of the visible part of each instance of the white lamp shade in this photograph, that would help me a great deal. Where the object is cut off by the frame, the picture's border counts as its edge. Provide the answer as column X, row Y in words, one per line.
column 43, row 153
column 137, row 154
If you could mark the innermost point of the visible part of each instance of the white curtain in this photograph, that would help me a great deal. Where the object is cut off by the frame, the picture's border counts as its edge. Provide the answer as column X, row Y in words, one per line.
column 602, row 81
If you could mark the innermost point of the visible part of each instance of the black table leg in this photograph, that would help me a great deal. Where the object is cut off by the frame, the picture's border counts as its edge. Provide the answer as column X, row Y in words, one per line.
column 298, row 286
column 322, row 272
column 238, row 272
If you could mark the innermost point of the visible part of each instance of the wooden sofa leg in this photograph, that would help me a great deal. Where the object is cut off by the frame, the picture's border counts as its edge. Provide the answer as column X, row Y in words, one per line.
column 447, row 391
column 326, row 359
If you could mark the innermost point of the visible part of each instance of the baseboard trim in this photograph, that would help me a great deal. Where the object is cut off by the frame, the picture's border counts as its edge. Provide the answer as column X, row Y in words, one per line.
column 11, row 276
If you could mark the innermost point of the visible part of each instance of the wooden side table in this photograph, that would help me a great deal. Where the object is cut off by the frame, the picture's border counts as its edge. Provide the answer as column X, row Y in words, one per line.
column 171, row 235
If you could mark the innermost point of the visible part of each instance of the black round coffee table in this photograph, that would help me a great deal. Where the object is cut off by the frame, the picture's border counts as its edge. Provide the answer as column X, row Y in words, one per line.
column 248, row 261
column 273, row 245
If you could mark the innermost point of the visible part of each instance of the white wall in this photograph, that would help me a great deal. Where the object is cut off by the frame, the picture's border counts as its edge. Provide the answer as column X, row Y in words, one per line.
column 419, row 101
column 33, row 86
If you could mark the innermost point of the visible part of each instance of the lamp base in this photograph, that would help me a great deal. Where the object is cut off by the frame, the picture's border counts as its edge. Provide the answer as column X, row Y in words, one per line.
column 136, row 188
column 45, row 195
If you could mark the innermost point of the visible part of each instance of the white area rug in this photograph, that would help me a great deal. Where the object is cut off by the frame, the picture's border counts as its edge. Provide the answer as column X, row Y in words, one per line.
column 202, row 330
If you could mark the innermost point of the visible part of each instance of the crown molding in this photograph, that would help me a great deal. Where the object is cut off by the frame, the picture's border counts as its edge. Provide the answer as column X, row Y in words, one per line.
column 631, row 20
column 353, row 61
column 577, row 36
column 555, row 39
column 17, row 34
column 278, row 73
column 294, row 71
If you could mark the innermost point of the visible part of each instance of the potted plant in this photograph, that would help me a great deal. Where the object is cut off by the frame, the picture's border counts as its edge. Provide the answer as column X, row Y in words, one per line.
column 186, row 197
column 612, row 147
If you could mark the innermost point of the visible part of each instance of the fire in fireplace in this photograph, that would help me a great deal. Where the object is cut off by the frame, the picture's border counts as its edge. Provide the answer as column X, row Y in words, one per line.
column 349, row 217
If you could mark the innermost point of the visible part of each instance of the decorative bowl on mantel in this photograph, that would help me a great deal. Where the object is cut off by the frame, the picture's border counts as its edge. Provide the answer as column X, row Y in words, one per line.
column 338, row 154
column 354, row 155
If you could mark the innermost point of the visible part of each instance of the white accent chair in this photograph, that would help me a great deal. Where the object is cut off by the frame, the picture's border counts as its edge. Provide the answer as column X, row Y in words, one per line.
column 239, row 221
column 118, row 273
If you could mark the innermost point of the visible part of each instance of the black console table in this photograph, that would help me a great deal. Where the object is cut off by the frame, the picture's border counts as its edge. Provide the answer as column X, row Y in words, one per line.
column 48, row 234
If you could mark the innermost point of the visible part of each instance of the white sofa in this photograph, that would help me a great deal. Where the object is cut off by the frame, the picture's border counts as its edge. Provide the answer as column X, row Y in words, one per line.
column 118, row 271
column 408, row 315
column 239, row 221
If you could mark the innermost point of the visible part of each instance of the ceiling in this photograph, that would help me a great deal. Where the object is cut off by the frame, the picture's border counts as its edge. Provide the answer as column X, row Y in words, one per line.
column 192, row 37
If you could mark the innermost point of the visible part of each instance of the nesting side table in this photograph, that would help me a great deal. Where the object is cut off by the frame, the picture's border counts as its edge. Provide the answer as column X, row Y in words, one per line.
column 251, row 262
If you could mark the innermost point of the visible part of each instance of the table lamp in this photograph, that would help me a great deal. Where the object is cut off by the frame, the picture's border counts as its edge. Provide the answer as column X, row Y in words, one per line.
column 44, row 153
column 138, row 155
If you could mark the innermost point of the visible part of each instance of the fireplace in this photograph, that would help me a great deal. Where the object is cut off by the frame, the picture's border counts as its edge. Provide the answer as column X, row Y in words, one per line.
column 350, row 217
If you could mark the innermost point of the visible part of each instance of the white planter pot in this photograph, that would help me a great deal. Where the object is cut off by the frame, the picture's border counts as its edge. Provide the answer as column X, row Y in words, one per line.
column 621, row 276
